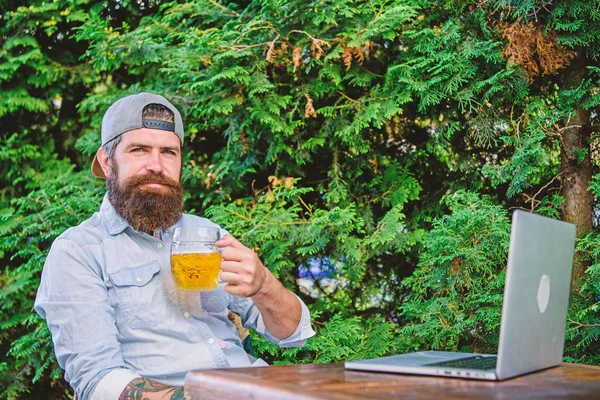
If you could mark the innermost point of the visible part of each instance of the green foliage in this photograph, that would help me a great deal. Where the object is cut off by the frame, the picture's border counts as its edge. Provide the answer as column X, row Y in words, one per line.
column 339, row 339
column 367, row 150
column 28, row 228
column 579, row 24
column 583, row 324
column 290, row 236
column 531, row 161
column 456, row 293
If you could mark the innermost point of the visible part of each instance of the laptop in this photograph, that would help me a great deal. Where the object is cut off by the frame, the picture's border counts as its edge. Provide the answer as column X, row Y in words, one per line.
column 534, row 310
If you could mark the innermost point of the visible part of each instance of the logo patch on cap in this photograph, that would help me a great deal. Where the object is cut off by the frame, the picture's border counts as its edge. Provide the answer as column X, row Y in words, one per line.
column 157, row 124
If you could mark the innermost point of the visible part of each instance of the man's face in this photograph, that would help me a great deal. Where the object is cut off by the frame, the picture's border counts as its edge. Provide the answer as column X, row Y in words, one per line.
column 144, row 179
column 148, row 151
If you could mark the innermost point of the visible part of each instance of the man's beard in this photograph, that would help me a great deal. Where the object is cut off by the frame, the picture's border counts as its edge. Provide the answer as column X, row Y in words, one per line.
column 146, row 209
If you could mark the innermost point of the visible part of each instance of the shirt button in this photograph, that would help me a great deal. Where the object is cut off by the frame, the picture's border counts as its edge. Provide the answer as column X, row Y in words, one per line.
column 211, row 341
column 186, row 314
column 138, row 279
column 159, row 245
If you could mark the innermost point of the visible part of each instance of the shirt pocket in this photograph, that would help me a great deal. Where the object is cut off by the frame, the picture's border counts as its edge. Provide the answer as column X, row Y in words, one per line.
column 141, row 295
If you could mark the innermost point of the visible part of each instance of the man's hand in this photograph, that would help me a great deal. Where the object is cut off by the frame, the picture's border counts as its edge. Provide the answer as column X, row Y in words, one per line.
column 241, row 268
column 246, row 276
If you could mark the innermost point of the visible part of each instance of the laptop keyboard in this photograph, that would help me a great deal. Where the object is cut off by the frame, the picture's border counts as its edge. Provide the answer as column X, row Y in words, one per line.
column 475, row 362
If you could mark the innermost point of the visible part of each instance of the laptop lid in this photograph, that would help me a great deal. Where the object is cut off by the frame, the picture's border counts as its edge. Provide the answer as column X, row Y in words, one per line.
column 536, row 297
column 536, row 294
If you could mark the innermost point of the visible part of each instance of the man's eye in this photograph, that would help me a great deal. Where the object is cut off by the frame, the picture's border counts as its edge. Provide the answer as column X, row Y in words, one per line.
column 137, row 150
column 170, row 152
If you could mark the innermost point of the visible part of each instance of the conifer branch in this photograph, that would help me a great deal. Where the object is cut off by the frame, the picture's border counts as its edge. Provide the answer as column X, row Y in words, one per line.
column 251, row 46
column 349, row 98
column 267, row 26
column 305, row 205
column 378, row 198
column 581, row 325
column 532, row 199
column 222, row 7
column 314, row 39
column 238, row 214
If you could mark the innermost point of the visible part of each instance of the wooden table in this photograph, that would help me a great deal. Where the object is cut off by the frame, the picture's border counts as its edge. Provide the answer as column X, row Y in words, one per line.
column 332, row 381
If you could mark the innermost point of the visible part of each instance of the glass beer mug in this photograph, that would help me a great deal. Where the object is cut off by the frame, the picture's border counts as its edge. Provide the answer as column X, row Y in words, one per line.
column 195, row 259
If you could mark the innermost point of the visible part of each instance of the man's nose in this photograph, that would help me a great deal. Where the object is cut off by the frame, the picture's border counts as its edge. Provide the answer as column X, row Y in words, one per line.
column 154, row 163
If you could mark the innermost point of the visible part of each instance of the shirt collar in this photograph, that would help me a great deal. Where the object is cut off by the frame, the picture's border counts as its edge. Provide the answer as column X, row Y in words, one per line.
column 112, row 219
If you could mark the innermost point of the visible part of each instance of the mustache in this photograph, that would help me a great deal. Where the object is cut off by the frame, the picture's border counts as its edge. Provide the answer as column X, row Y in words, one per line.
column 138, row 180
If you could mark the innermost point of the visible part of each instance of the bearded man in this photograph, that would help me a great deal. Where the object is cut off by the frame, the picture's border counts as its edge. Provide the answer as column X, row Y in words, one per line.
column 120, row 326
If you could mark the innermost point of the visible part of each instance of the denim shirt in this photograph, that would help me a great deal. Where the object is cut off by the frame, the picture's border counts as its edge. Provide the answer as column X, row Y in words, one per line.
column 115, row 313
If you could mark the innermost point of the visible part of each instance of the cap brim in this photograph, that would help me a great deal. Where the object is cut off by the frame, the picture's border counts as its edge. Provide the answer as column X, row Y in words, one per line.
column 96, row 169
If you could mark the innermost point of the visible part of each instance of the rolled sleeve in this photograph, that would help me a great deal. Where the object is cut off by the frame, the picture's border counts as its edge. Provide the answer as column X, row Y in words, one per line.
column 112, row 385
column 255, row 321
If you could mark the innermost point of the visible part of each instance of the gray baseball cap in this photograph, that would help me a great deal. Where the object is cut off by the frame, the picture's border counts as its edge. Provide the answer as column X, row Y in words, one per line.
column 125, row 115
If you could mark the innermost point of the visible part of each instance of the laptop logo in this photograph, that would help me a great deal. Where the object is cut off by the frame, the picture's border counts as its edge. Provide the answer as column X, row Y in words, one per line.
column 543, row 294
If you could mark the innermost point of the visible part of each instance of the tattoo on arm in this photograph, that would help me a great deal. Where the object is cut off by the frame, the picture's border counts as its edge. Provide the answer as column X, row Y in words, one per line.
column 146, row 389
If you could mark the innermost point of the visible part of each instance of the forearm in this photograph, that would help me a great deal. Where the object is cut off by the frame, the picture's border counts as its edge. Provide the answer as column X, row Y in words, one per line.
column 280, row 308
column 142, row 388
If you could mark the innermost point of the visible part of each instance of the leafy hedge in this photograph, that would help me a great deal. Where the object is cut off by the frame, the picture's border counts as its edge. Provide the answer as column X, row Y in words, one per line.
column 369, row 151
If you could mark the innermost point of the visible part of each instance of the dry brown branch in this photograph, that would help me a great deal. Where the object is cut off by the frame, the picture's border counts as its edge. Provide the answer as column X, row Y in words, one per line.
column 543, row 188
column 374, row 164
column 269, row 56
column 534, row 51
column 297, row 57
column 347, row 57
column 532, row 199
column 358, row 55
column 276, row 181
column 354, row 53
column 317, row 50
column 309, row 110
column 317, row 44
column 558, row 133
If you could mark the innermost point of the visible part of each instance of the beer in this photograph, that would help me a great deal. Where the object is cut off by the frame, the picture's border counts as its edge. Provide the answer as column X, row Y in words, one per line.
column 196, row 271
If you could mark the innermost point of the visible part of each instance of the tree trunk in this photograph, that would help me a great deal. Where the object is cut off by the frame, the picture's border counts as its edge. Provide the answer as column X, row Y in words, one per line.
column 577, row 174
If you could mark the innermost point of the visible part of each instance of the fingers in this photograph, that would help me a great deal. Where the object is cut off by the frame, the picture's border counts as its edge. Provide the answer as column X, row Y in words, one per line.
column 230, row 241
column 233, row 250
column 233, row 254
column 232, row 266
column 241, row 269
column 245, row 278
column 230, row 278
column 238, row 285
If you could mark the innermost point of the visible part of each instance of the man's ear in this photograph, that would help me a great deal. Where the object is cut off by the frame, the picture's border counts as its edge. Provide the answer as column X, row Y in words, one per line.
column 104, row 161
